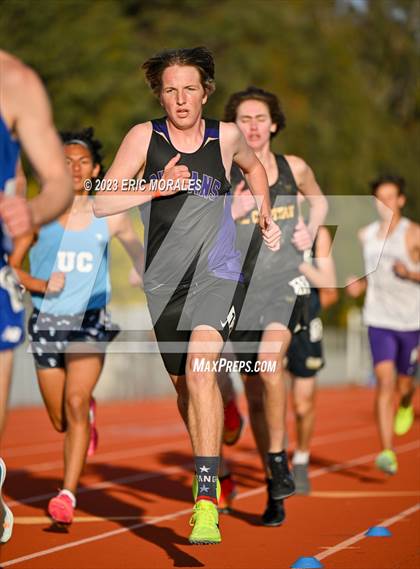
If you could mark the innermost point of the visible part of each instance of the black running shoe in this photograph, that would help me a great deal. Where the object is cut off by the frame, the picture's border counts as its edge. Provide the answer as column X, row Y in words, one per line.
column 282, row 483
column 274, row 514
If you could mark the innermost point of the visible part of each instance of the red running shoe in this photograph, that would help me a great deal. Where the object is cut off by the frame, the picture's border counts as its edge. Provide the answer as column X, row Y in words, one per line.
column 61, row 509
column 93, row 442
column 227, row 494
column 233, row 424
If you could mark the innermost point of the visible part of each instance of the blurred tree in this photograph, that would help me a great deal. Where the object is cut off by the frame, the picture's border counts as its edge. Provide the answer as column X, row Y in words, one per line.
column 345, row 70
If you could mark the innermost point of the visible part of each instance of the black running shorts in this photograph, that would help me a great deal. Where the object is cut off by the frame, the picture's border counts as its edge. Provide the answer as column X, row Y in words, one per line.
column 215, row 302
column 50, row 335
column 305, row 356
column 285, row 306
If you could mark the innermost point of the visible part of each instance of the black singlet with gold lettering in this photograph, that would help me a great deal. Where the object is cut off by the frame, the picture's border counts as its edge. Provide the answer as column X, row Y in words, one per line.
column 190, row 234
column 277, row 266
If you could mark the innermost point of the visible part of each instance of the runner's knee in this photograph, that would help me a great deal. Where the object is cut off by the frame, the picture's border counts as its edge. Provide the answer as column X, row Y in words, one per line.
column 303, row 405
column 77, row 407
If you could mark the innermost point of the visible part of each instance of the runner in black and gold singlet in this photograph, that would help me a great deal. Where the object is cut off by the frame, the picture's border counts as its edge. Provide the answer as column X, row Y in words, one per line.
column 277, row 295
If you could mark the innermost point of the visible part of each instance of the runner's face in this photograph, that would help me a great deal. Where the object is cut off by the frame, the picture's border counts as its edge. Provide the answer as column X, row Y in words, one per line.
column 387, row 194
column 254, row 120
column 182, row 95
column 80, row 164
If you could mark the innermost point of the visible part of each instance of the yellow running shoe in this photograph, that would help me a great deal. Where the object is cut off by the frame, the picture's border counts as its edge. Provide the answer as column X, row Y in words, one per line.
column 404, row 420
column 387, row 461
column 205, row 523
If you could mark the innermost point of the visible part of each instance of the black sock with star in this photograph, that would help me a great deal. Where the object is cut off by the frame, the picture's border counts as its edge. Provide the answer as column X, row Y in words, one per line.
column 207, row 468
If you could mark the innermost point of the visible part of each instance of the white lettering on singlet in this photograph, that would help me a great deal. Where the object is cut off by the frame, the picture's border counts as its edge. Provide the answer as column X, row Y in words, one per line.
column 68, row 261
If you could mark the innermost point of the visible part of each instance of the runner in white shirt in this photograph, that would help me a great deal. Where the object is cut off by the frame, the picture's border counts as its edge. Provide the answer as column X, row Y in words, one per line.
column 391, row 310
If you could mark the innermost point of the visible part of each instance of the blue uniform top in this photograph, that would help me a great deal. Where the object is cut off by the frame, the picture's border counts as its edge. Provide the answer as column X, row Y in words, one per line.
column 9, row 154
column 83, row 257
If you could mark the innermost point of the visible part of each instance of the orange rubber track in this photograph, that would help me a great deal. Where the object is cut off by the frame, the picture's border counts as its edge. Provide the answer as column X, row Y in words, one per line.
column 135, row 499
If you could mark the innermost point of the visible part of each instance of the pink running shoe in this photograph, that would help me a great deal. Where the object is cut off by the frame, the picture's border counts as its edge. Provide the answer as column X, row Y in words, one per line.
column 93, row 443
column 61, row 509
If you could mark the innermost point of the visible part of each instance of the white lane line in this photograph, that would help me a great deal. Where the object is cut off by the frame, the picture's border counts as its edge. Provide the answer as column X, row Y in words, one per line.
column 362, row 460
column 108, row 483
column 130, row 452
column 95, row 538
column 45, row 520
column 240, row 455
column 105, row 456
column 108, row 432
column 355, row 494
column 362, row 535
column 179, row 513
column 349, row 463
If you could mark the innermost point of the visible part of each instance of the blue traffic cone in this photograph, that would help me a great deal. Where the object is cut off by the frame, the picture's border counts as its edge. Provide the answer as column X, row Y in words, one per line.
column 307, row 563
column 378, row 531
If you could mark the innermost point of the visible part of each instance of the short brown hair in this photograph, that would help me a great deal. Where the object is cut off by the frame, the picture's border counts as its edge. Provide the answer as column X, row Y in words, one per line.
column 256, row 94
column 198, row 57
column 397, row 181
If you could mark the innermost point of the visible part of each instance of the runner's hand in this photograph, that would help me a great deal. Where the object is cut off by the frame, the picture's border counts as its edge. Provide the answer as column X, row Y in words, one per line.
column 302, row 238
column 173, row 172
column 135, row 279
column 243, row 201
column 16, row 215
column 56, row 283
column 270, row 232
column 400, row 270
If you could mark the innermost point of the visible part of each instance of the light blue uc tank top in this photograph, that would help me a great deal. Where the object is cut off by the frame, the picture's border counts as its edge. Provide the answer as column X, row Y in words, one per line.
column 83, row 257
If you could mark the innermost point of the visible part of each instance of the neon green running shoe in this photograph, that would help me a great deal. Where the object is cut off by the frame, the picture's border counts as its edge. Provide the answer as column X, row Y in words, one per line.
column 387, row 461
column 404, row 420
column 205, row 523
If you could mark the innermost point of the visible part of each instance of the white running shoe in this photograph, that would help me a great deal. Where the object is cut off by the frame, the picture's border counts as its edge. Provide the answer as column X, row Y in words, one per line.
column 6, row 516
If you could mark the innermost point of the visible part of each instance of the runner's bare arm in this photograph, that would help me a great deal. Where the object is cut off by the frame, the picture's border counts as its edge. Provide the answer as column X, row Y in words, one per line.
column 252, row 168
column 21, row 246
column 309, row 187
column 128, row 163
column 256, row 178
column 322, row 274
column 31, row 114
column 122, row 228
column 413, row 247
column 356, row 287
column 21, row 182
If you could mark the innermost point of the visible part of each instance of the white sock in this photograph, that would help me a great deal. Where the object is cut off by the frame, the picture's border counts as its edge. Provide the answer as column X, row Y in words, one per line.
column 70, row 495
column 300, row 457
